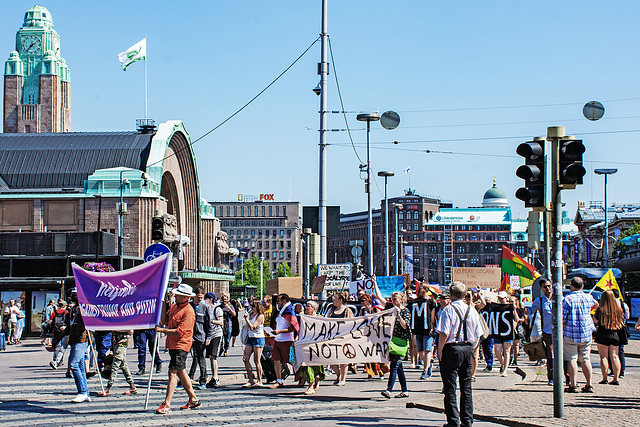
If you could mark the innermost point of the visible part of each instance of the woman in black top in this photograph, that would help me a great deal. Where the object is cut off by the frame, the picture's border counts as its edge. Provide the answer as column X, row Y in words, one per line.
column 401, row 329
column 340, row 310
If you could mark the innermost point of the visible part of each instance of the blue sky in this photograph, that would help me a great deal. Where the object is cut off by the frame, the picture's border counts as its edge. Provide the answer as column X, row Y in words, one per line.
column 466, row 77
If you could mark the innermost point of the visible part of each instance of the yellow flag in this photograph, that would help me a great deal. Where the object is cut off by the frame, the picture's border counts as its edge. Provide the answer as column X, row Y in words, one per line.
column 608, row 283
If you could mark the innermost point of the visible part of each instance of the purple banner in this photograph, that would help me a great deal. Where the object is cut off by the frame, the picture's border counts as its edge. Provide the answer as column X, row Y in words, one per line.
column 128, row 299
column 588, row 250
column 576, row 253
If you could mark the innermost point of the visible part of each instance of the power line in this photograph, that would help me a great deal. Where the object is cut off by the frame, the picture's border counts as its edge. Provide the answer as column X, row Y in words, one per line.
column 241, row 108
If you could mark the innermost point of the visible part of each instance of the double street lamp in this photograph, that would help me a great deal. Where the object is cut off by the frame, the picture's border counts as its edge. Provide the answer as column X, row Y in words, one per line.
column 397, row 207
column 605, row 247
column 369, row 117
column 386, row 175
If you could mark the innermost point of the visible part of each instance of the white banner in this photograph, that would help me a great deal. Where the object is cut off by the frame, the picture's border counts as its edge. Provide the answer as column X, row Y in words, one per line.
column 327, row 341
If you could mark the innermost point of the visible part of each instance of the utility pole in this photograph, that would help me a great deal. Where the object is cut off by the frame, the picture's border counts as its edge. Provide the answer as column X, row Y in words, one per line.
column 323, row 70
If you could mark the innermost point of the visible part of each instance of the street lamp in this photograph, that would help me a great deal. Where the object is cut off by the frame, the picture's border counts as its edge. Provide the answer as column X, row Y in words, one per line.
column 606, row 172
column 99, row 197
column 369, row 117
column 386, row 175
column 397, row 207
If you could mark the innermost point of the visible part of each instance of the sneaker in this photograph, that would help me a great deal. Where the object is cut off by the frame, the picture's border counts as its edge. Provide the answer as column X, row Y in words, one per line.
column 429, row 371
column 213, row 383
column 473, row 379
column 503, row 373
column 158, row 368
column 403, row 394
column 81, row 398
column 163, row 409
column 487, row 369
column 141, row 372
column 424, row 376
column 201, row 387
column 68, row 375
column 53, row 365
column 341, row 383
column 247, row 385
column 91, row 374
column 550, row 382
column 386, row 394
column 191, row 405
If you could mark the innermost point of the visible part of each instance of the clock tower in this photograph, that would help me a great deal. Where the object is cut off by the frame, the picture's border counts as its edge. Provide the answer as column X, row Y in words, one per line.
column 36, row 79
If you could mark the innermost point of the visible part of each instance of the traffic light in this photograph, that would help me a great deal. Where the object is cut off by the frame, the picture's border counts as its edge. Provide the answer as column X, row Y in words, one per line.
column 533, row 192
column 157, row 228
column 570, row 160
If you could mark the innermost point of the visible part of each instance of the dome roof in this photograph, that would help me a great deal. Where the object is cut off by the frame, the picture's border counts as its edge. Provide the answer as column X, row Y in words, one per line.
column 38, row 16
column 495, row 198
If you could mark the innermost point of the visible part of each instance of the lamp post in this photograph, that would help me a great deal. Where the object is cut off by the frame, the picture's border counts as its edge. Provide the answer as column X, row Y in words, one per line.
column 386, row 175
column 605, row 247
column 369, row 117
column 261, row 262
column 402, row 231
column 123, row 182
column 397, row 207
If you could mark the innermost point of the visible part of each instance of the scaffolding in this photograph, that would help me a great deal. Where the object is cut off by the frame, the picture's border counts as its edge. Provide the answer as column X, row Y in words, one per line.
column 448, row 250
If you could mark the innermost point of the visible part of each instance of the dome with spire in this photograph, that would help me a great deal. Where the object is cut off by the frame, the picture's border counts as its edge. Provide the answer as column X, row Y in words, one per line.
column 38, row 16
column 495, row 198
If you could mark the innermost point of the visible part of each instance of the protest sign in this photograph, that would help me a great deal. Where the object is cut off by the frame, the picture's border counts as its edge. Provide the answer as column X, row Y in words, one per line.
column 390, row 284
column 499, row 318
column 318, row 284
column 421, row 310
column 338, row 275
column 477, row 277
column 327, row 341
column 325, row 306
column 127, row 299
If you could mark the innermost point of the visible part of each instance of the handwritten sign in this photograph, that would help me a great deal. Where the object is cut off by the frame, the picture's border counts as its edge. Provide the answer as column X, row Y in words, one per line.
column 128, row 299
column 326, row 341
column 477, row 277
column 338, row 275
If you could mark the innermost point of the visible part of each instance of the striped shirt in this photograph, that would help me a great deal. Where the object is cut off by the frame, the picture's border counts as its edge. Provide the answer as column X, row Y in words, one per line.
column 576, row 316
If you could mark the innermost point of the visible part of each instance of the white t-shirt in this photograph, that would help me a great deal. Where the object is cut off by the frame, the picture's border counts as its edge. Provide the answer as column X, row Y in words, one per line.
column 449, row 322
column 281, row 323
column 257, row 332
column 13, row 314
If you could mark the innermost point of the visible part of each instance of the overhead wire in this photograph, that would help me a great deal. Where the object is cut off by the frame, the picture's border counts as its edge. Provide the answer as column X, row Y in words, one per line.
column 189, row 145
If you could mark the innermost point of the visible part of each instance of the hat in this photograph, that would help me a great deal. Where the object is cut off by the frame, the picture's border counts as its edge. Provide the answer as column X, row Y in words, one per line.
column 211, row 296
column 63, row 302
column 502, row 294
column 184, row 290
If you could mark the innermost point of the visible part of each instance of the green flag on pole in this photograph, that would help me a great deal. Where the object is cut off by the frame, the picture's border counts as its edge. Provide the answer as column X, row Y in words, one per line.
column 137, row 52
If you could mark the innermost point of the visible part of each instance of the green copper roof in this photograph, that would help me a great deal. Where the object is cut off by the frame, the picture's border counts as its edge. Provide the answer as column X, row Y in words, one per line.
column 38, row 16
column 494, row 193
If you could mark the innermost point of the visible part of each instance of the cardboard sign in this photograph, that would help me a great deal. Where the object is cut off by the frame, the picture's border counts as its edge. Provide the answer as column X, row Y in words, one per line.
column 478, row 277
column 329, row 341
column 318, row 284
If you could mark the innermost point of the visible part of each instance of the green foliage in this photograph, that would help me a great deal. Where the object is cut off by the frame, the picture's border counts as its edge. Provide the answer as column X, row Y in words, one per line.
column 252, row 273
column 621, row 247
column 283, row 270
column 313, row 273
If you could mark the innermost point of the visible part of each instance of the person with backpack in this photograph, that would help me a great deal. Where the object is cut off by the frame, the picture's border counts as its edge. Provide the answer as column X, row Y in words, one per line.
column 58, row 325
column 46, row 326
column 541, row 308
column 227, row 327
column 213, row 347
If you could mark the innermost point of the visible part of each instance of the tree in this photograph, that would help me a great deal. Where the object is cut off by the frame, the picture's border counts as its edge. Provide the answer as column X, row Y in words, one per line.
column 251, row 271
column 283, row 270
column 631, row 280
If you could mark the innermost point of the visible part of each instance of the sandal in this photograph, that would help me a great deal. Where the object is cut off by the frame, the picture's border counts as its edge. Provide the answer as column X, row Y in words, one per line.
column 614, row 382
column 130, row 392
column 105, row 393
column 571, row 389
column 587, row 389
column 604, row 382
column 191, row 405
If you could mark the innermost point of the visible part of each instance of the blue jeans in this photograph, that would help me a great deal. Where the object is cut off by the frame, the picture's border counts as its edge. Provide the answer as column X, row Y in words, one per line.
column 103, row 344
column 487, row 350
column 76, row 363
column 396, row 369
column 143, row 338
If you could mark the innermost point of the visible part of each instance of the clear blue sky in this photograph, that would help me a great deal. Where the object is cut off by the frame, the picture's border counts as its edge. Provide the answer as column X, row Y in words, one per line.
column 448, row 68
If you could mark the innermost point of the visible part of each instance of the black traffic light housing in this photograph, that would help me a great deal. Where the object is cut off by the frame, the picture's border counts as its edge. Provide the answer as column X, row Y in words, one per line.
column 157, row 228
column 533, row 173
column 570, row 153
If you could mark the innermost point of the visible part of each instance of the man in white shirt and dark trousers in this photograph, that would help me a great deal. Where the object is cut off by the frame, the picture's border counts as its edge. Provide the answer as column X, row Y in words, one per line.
column 459, row 330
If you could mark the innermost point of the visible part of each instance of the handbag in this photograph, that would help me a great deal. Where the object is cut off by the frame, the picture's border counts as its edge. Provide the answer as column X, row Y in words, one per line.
column 535, row 350
column 398, row 346
column 244, row 333
column 485, row 328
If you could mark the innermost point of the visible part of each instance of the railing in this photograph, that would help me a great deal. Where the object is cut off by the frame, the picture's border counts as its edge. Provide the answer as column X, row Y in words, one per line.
column 56, row 243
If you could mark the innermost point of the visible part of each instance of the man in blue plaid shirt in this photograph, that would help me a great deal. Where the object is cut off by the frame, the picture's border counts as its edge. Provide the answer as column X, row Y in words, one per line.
column 577, row 330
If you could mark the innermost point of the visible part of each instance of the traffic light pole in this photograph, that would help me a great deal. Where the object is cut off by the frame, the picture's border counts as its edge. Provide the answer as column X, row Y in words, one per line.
column 555, row 133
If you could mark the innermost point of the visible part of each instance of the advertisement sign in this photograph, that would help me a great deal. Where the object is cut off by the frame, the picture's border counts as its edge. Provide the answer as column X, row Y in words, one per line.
column 338, row 275
column 478, row 277
column 408, row 261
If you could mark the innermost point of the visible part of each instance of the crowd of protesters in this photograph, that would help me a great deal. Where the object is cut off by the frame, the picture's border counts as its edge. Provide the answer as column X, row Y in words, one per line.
column 199, row 326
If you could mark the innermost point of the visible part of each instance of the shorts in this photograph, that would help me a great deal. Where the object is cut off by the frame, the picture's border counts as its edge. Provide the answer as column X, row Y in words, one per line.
column 281, row 351
column 255, row 341
column 424, row 342
column 213, row 349
column 178, row 359
column 573, row 351
column 498, row 341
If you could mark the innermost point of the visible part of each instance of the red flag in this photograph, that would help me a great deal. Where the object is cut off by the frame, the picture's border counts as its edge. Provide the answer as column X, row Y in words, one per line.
column 505, row 284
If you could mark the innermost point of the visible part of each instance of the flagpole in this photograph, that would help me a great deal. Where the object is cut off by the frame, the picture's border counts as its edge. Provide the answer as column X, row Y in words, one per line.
column 95, row 360
column 153, row 358
column 145, row 79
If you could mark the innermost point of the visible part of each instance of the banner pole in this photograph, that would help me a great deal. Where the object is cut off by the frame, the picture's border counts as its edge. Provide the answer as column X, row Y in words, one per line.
column 153, row 358
column 95, row 360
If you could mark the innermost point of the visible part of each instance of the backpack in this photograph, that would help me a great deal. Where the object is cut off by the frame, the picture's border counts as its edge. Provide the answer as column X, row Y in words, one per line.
column 58, row 320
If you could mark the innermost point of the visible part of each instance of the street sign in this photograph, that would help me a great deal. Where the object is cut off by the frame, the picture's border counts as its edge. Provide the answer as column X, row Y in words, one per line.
column 338, row 275
column 356, row 251
column 154, row 251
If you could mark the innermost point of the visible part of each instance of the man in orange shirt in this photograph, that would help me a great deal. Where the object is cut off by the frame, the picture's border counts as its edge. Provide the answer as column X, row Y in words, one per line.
column 180, row 318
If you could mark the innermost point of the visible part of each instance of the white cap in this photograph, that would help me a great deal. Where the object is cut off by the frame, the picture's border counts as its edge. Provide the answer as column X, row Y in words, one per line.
column 502, row 294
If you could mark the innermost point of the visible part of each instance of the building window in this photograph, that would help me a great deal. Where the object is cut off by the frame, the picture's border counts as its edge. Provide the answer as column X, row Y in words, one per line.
column 281, row 244
column 246, row 233
column 225, row 223
column 235, row 211
column 253, row 244
column 277, row 210
column 281, row 255
column 228, row 207
column 460, row 237
column 253, row 233
column 288, row 244
column 276, row 223
column 415, row 227
column 259, row 255
column 275, row 256
column 241, row 210
column 260, row 233
column 289, row 233
column 266, row 255
column 474, row 238
column 281, row 233
column 489, row 237
column 400, row 215
column 284, row 211
column 259, row 244
column 274, row 244
column 502, row 238
column 262, row 210
column 270, row 210
column 488, row 261
column 230, row 233
column 261, row 223
column 415, row 215
column 274, row 233
column 255, row 211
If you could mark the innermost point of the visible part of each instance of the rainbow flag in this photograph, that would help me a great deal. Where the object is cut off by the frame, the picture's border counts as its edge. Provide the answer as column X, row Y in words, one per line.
column 513, row 264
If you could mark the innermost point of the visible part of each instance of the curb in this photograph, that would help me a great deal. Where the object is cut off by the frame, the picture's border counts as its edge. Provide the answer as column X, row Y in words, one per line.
column 478, row 417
